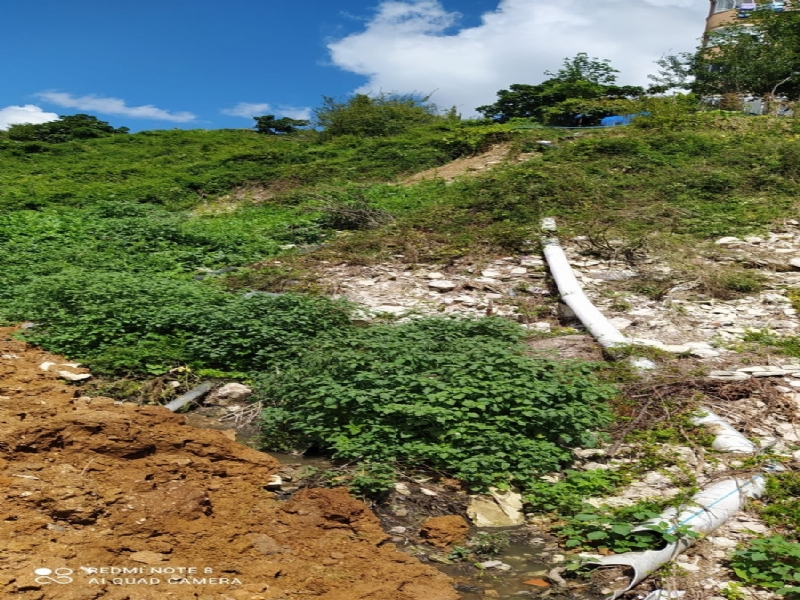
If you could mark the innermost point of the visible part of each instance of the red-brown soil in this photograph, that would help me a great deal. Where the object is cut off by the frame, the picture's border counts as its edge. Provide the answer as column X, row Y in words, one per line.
column 90, row 486
column 445, row 531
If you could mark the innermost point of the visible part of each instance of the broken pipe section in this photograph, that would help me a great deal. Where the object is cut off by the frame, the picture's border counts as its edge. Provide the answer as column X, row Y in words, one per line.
column 708, row 509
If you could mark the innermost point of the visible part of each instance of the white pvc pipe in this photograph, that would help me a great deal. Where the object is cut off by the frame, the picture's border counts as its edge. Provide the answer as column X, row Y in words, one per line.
column 572, row 295
column 727, row 438
column 709, row 508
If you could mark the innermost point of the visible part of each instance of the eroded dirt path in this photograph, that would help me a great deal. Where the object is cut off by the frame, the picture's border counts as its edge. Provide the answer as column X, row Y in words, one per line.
column 90, row 487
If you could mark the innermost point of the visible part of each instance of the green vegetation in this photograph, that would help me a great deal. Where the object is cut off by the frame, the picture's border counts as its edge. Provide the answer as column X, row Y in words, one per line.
column 772, row 563
column 582, row 92
column 65, row 129
column 759, row 57
column 565, row 497
column 144, row 253
column 269, row 125
column 616, row 530
column 458, row 396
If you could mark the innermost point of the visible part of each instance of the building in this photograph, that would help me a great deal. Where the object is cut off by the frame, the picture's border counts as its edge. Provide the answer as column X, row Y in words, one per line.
column 724, row 12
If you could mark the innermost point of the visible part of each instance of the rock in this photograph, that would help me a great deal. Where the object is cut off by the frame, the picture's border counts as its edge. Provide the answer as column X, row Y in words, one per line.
column 518, row 271
column 398, row 530
column 45, row 366
column 485, row 512
column 728, row 241
column 754, row 240
column 402, row 488
column 777, row 373
column 468, row 300
column 794, row 263
column 676, row 348
column 565, row 313
column 495, row 564
column 510, row 502
column 704, row 353
column 230, row 393
column 435, row 276
column 530, row 261
column 621, row 323
column 365, row 282
column 442, row 285
column 491, row 274
column 428, row 492
column 728, row 376
column 753, row 526
column 722, row 542
column 612, row 275
column 73, row 376
column 390, row 309
column 147, row 557
column 542, row 327
column 443, row 532
column 275, row 482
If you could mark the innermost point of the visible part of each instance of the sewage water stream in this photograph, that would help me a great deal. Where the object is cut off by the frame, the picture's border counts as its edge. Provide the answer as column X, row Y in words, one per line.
column 527, row 558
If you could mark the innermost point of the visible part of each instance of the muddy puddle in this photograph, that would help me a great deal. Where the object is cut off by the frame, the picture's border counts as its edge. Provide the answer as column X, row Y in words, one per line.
column 517, row 567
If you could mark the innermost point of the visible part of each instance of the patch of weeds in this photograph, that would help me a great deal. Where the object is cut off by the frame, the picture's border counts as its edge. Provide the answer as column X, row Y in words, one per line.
column 488, row 545
column 730, row 282
column 780, row 504
column 789, row 346
column 372, row 479
column 532, row 309
column 772, row 563
column 274, row 278
column 732, row 591
column 794, row 295
column 621, row 305
column 612, row 529
column 565, row 497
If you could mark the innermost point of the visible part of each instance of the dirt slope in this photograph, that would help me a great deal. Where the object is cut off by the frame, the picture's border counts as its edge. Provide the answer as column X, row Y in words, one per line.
column 90, row 487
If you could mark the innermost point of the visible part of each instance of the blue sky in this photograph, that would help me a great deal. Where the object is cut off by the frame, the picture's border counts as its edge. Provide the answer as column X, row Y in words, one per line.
column 204, row 63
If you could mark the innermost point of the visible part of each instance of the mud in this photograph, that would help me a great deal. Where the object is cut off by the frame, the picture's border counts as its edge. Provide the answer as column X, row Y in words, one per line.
column 92, row 487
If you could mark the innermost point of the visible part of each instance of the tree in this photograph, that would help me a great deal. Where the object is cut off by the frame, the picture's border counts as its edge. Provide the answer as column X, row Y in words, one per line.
column 371, row 116
column 580, row 78
column 759, row 57
column 269, row 125
column 65, row 129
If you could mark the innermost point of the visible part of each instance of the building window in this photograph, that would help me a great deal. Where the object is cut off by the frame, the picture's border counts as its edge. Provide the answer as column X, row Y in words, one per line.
column 723, row 5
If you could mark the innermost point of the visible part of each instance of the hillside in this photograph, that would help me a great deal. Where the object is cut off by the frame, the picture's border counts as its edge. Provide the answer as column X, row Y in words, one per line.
column 162, row 259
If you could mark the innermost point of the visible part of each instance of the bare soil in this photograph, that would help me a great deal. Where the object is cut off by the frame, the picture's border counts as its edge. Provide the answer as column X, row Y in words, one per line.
column 92, row 486
column 471, row 165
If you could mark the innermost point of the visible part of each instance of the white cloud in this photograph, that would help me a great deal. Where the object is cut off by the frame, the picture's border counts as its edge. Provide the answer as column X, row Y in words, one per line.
column 408, row 45
column 252, row 109
column 114, row 106
column 16, row 115
column 294, row 112
column 247, row 110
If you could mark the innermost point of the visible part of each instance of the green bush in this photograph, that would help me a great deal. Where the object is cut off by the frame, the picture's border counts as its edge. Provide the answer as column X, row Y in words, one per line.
column 566, row 496
column 772, row 563
column 129, row 323
column 459, row 396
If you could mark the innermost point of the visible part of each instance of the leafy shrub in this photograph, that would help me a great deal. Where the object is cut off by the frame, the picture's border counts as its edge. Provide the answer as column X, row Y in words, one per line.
column 459, row 396
column 384, row 114
column 566, row 497
column 780, row 504
column 772, row 563
column 616, row 529
column 123, row 322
